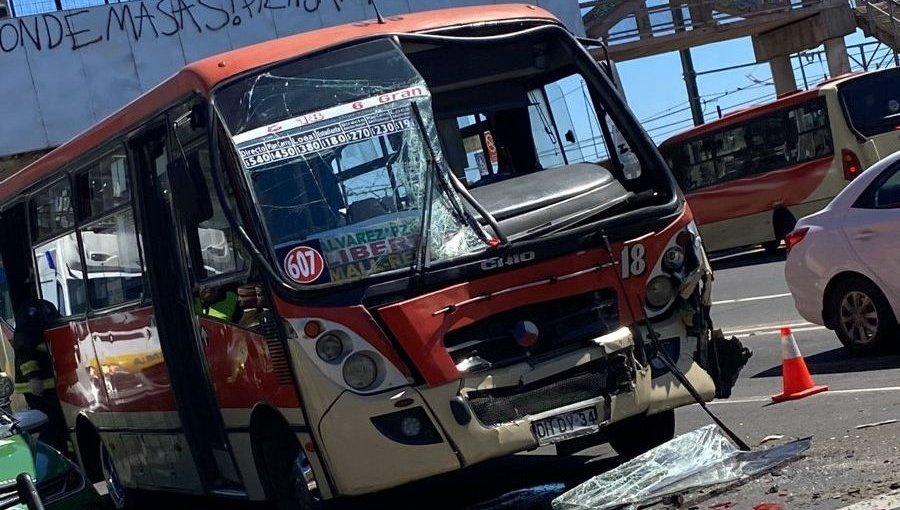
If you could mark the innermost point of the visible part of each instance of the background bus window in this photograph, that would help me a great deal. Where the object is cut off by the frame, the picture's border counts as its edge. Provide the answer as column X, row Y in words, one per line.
column 60, row 274
column 765, row 143
column 872, row 102
column 809, row 124
column 114, row 268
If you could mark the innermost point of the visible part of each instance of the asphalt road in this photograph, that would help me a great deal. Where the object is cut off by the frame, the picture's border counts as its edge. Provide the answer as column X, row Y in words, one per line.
column 845, row 465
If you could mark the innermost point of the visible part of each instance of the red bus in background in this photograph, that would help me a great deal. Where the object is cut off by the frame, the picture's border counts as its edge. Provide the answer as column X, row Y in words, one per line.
column 751, row 174
column 286, row 274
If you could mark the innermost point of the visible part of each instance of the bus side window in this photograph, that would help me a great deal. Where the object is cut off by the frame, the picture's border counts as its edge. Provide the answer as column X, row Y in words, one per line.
column 109, row 239
column 57, row 261
column 219, row 249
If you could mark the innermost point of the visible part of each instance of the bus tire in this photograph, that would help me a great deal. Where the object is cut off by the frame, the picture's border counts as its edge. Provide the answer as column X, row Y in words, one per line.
column 114, row 488
column 783, row 223
column 88, row 449
column 280, row 462
column 639, row 434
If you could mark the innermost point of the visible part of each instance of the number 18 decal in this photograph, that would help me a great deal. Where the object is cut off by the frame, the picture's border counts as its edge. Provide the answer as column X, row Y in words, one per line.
column 633, row 263
column 304, row 264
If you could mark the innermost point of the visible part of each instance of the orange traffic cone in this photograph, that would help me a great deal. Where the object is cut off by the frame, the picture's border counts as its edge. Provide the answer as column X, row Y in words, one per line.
column 797, row 381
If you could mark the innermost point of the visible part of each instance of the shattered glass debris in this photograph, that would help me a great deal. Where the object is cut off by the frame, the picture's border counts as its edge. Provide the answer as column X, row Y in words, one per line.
column 701, row 458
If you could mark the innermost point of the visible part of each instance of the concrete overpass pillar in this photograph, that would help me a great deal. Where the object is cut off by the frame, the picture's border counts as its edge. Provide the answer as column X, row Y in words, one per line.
column 836, row 53
column 783, row 74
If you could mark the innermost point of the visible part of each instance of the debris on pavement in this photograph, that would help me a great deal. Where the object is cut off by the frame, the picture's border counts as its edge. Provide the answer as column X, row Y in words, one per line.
column 773, row 437
column 769, row 506
column 531, row 498
column 701, row 458
column 876, row 424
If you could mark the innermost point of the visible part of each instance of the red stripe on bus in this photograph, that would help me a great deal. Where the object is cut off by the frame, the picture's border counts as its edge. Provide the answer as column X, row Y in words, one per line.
column 759, row 193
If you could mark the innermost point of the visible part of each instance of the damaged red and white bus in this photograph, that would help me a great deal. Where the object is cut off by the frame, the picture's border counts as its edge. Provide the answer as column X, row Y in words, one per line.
column 373, row 241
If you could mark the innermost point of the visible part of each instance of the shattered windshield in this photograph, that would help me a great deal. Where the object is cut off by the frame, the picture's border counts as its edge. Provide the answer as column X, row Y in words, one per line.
column 339, row 159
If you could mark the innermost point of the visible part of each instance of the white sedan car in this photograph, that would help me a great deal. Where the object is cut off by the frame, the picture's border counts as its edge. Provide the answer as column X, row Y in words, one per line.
column 843, row 264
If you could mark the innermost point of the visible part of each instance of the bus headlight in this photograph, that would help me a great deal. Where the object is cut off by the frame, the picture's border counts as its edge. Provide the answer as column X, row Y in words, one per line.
column 660, row 291
column 673, row 259
column 360, row 371
column 330, row 348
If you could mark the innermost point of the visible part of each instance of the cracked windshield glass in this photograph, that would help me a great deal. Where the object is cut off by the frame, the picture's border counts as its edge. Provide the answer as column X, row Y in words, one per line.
column 340, row 166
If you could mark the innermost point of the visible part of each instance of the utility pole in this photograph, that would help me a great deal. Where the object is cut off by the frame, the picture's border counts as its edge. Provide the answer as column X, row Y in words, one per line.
column 800, row 58
column 690, row 75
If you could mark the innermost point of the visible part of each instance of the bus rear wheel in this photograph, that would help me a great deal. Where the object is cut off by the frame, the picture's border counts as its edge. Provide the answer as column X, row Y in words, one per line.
column 783, row 223
column 639, row 434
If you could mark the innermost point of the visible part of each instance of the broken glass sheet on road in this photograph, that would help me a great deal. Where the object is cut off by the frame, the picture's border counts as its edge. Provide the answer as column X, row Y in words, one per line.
column 701, row 458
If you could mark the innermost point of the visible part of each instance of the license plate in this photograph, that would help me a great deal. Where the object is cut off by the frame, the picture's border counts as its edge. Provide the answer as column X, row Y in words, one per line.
column 565, row 426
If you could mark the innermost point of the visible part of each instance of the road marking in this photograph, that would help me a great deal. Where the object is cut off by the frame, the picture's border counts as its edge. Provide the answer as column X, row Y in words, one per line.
column 766, row 327
column 778, row 331
column 752, row 400
column 889, row 501
column 747, row 299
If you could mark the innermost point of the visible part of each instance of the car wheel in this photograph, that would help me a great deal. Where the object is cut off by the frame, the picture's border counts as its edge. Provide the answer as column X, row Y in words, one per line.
column 862, row 317
column 114, row 486
column 639, row 434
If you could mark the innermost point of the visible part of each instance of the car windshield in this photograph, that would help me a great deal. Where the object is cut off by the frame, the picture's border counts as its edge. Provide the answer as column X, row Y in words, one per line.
column 337, row 149
column 872, row 102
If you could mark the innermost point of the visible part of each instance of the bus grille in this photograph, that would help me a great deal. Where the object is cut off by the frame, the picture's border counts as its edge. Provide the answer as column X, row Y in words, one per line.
column 562, row 324
column 589, row 381
column 268, row 327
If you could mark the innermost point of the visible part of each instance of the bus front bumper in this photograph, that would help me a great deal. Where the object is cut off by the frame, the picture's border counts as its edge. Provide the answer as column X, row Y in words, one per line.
column 493, row 413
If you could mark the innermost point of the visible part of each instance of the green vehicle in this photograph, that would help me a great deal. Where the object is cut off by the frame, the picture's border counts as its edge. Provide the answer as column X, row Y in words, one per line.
column 60, row 484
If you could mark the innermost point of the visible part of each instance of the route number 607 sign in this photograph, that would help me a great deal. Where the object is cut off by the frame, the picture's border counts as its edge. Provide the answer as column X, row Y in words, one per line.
column 304, row 264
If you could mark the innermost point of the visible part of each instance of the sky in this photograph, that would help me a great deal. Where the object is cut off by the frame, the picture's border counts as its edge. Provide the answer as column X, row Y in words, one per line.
column 655, row 89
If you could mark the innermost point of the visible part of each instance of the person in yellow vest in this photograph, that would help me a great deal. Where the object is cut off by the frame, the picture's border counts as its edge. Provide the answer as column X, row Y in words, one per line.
column 218, row 303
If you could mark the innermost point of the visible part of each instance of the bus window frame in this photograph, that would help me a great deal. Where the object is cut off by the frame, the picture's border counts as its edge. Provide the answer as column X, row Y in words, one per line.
column 34, row 241
column 69, row 172
column 595, row 77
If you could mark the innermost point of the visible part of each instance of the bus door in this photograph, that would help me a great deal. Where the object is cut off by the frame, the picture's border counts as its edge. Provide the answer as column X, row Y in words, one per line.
column 243, row 337
column 181, row 340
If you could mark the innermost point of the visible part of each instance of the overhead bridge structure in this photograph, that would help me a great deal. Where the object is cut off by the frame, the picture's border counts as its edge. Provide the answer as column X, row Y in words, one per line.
column 635, row 28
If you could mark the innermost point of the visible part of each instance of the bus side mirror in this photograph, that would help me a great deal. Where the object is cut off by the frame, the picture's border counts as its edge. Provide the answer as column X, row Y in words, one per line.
column 189, row 191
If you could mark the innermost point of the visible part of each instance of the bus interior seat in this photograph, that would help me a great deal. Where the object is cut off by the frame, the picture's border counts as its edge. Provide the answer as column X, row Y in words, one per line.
column 365, row 209
column 389, row 204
